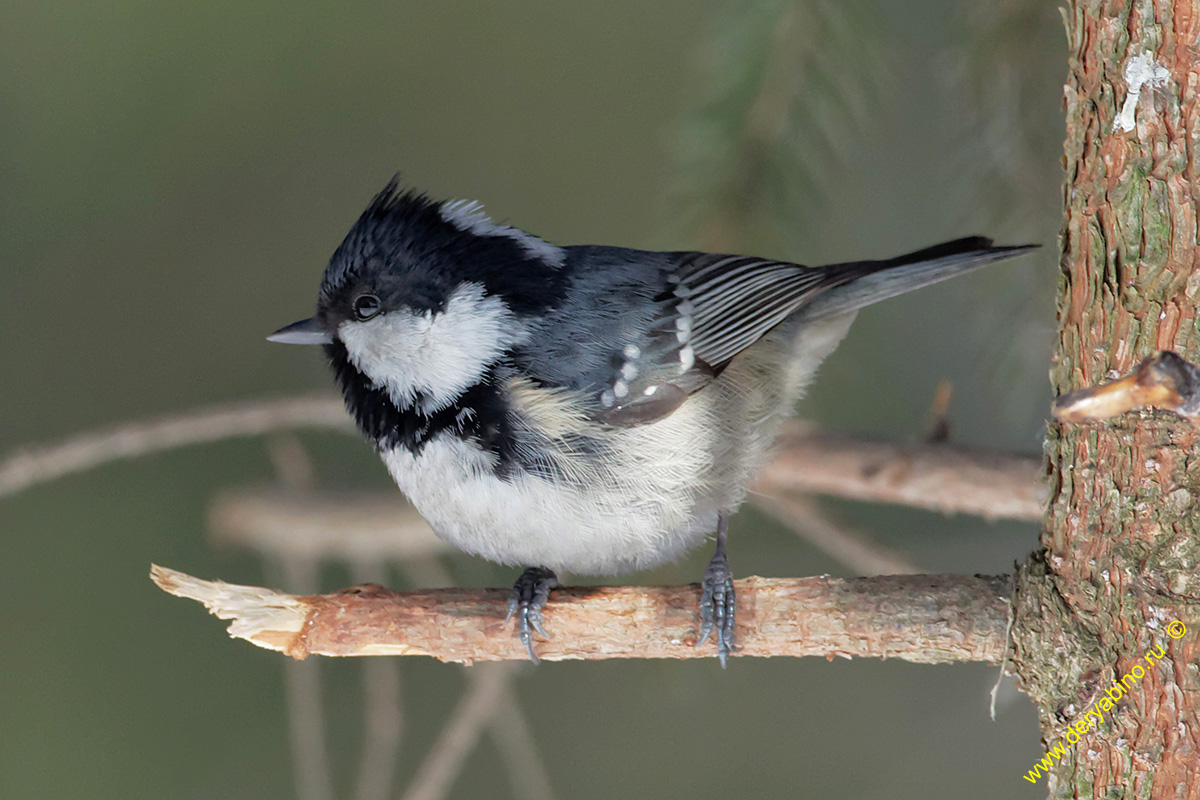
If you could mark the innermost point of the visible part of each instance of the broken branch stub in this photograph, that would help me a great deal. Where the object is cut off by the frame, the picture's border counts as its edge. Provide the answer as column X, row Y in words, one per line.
column 1164, row 380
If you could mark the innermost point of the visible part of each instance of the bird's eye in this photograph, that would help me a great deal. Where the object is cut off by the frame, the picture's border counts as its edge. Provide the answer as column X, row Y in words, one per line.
column 365, row 307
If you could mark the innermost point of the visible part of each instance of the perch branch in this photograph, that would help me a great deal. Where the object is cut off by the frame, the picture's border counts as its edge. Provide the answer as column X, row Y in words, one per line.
column 920, row 618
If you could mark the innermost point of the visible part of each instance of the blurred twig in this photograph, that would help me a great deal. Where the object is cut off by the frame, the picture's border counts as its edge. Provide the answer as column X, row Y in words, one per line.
column 358, row 527
column 293, row 465
column 323, row 525
column 843, row 545
column 508, row 727
column 383, row 711
column 278, row 525
column 22, row 470
column 514, row 739
column 937, row 477
column 302, row 691
column 487, row 686
column 383, row 718
column 920, row 618
column 939, row 412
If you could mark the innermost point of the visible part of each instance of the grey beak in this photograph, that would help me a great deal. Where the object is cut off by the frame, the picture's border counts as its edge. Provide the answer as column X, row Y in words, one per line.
column 306, row 331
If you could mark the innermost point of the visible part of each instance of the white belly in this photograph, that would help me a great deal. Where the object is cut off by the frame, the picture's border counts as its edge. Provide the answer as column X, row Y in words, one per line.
column 655, row 496
column 529, row 521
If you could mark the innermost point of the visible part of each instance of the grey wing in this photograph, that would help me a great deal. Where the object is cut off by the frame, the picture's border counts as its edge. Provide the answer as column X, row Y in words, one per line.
column 711, row 308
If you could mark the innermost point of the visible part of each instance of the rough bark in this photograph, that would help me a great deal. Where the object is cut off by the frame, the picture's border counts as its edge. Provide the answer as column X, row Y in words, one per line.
column 1120, row 537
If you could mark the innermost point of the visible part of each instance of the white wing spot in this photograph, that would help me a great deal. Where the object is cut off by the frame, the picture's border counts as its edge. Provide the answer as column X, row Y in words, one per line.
column 620, row 388
column 686, row 358
column 607, row 398
column 632, row 351
column 629, row 371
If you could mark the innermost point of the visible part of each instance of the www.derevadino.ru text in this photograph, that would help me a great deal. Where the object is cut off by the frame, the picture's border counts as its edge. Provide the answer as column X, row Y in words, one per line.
column 1095, row 714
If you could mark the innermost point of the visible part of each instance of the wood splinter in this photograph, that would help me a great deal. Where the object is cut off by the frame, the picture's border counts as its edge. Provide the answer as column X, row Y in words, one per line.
column 1164, row 380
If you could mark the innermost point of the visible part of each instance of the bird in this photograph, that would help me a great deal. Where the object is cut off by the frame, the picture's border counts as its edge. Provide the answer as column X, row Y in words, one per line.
column 587, row 409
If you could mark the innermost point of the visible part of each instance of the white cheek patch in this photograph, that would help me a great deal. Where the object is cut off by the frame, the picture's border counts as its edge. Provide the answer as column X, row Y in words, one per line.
column 433, row 356
column 468, row 216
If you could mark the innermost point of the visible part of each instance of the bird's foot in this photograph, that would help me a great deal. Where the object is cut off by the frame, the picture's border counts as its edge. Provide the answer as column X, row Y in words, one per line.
column 718, row 606
column 526, row 601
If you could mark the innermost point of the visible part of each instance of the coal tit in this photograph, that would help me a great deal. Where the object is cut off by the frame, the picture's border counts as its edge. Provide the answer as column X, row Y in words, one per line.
column 588, row 409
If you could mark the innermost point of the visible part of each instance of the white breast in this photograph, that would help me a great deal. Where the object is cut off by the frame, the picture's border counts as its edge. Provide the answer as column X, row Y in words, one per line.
column 529, row 520
column 656, row 495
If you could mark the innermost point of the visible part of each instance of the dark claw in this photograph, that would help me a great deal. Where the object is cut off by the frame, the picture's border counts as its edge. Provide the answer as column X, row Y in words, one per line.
column 718, row 606
column 526, row 601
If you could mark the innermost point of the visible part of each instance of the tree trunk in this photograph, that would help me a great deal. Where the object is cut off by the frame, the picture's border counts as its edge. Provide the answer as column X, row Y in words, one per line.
column 1121, row 554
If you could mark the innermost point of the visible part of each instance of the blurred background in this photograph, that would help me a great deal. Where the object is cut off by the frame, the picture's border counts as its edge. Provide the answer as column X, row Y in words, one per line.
column 173, row 178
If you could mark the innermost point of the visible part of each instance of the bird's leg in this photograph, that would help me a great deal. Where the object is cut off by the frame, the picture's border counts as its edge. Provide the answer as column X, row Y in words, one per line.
column 718, row 603
column 526, row 601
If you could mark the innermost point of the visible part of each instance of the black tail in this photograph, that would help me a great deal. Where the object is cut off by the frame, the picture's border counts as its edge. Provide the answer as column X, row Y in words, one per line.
column 879, row 280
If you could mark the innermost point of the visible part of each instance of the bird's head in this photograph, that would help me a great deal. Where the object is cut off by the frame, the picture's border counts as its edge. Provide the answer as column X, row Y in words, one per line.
column 424, row 297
